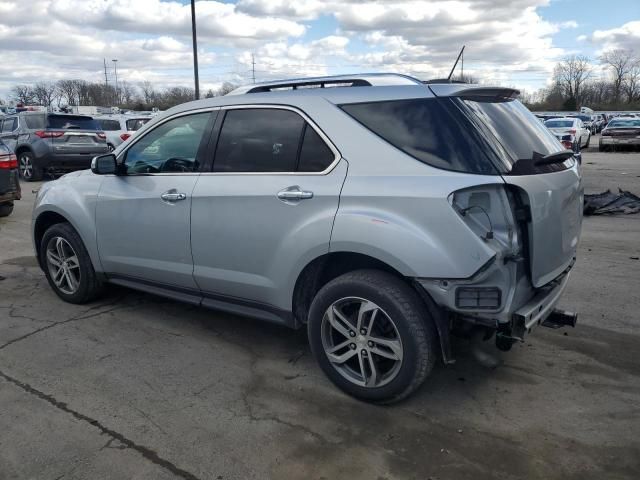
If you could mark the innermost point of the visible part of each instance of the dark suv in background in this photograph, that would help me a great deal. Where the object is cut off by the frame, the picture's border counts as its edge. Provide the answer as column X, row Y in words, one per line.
column 9, row 184
column 52, row 143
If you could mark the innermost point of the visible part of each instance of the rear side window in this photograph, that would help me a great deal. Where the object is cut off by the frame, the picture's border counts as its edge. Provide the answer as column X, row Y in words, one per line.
column 72, row 122
column 109, row 125
column 430, row 130
column 315, row 155
column 134, row 124
column 9, row 125
column 258, row 140
column 35, row 122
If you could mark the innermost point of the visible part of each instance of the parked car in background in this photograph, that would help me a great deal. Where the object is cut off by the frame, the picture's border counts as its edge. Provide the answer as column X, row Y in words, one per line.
column 9, row 183
column 572, row 127
column 620, row 132
column 52, row 143
column 587, row 121
column 334, row 209
column 597, row 122
column 118, row 128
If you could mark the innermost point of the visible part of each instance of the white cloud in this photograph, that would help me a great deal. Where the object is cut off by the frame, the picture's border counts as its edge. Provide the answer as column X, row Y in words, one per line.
column 626, row 37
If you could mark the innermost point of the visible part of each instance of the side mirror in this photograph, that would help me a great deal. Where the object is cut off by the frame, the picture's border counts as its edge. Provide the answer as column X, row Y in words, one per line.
column 104, row 164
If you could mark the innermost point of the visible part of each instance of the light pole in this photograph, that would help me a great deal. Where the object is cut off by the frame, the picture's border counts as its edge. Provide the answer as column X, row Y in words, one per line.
column 195, row 47
column 115, row 71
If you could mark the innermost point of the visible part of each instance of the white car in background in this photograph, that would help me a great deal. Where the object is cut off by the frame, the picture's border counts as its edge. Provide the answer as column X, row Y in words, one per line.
column 118, row 128
column 572, row 127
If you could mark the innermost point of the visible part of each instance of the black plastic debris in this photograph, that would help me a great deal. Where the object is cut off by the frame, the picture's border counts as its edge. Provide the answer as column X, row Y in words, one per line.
column 609, row 203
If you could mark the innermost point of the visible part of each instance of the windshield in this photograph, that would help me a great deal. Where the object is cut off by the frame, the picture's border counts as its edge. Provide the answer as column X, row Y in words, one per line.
column 623, row 123
column 559, row 123
column 72, row 122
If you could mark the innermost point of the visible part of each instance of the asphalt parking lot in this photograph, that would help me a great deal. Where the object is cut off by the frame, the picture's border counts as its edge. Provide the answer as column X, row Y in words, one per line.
column 136, row 386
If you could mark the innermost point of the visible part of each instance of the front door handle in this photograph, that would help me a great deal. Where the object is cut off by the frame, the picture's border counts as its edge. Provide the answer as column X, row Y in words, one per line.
column 293, row 194
column 173, row 196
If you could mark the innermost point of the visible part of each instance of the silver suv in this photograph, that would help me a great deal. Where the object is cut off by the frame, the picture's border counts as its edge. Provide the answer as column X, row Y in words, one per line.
column 52, row 142
column 382, row 215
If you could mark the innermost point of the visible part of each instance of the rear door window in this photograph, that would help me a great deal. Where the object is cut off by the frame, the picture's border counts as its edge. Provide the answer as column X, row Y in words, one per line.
column 430, row 130
column 9, row 125
column 72, row 122
column 109, row 125
column 315, row 154
column 258, row 140
column 134, row 124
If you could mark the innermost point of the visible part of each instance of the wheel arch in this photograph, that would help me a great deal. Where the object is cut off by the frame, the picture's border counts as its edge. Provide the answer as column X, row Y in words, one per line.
column 325, row 268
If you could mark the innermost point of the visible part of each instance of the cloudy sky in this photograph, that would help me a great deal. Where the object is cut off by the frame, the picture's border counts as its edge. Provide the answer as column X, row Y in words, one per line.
column 511, row 42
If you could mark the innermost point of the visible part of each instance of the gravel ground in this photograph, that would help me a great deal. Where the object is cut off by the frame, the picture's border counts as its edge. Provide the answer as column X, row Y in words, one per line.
column 136, row 386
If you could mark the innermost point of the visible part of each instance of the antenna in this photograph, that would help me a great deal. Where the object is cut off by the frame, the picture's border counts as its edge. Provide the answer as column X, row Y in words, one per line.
column 455, row 64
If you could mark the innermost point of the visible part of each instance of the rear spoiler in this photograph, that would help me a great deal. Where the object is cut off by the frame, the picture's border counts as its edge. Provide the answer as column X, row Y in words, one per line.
column 474, row 91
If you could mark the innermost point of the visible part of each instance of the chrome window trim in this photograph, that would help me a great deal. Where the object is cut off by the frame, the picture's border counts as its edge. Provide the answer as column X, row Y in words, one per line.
column 306, row 118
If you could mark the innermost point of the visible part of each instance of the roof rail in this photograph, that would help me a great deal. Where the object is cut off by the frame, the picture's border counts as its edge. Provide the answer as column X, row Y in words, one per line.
column 359, row 80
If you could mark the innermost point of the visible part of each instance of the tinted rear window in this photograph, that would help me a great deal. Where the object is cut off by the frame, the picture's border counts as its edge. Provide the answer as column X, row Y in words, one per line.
column 134, row 124
column 109, row 125
column 431, row 130
column 623, row 123
column 559, row 123
column 35, row 122
column 72, row 122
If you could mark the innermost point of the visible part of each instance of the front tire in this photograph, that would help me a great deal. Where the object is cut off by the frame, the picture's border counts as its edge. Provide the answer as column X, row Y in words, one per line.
column 372, row 335
column 6, row 209
column 29, row 172
column 67, row 265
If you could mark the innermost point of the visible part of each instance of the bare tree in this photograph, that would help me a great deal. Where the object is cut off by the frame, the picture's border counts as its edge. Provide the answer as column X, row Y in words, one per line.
column 619, row 62
column 22, row 93
column 44, row 93
column 571, row 75
column 148, row 92
column 68, row 91
column 226, row 88
column 632, row 83
column 128, row 92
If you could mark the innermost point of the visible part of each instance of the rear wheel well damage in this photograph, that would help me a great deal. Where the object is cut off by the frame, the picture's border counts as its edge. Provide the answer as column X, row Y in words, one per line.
column 323, row 269
column 42, row 224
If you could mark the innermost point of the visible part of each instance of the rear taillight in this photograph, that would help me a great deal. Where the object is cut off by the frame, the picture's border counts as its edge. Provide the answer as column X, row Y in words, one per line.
column 48, row 134
column 487, row 210
column 8, row 162
column 124, row 136
column 572, row 131
column 101, row 135
column 567, row 144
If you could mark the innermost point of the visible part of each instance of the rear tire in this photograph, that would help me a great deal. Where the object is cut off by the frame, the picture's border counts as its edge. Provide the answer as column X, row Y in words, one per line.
column 6, row 209
column 586, row 145
column 67, row 265
column 28, row 171
column 391, row 352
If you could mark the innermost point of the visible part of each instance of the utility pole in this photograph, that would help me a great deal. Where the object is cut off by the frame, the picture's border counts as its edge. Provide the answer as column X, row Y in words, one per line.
column 253, row 68
column 115, row 70
column 195, row 48
column 106, row 79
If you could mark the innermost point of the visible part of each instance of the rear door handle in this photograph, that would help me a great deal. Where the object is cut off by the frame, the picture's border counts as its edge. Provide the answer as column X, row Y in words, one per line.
column 294, row 194
column 172, row 196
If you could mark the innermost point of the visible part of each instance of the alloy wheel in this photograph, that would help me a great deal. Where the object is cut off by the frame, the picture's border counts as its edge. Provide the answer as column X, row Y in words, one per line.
column 26, row 166
column 63, row 265
column 361, row 342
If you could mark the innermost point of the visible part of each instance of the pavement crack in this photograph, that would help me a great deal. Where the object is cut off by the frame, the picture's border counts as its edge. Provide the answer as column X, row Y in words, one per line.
column 146, row 452
column 81, row 316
